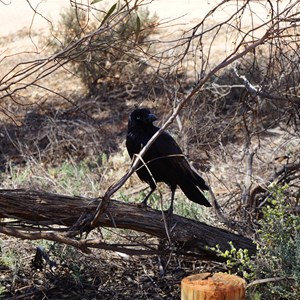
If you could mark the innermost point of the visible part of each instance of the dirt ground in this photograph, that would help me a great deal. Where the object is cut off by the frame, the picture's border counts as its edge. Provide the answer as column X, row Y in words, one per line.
column 17, row 15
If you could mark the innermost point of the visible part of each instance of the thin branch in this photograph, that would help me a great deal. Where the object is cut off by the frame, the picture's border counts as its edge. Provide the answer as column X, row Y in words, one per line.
column 268, row 280
column 15, row 77
column 115, row 187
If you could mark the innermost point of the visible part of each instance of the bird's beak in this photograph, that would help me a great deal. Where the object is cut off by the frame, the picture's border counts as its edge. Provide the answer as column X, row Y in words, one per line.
column 151, row 118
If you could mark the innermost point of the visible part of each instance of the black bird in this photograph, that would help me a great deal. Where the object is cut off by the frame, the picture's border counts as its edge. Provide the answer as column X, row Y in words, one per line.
column 164, row 159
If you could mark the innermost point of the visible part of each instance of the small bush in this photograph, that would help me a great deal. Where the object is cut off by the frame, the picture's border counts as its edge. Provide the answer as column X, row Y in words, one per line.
column 278, row 252
column 238, row 261
column 108, row 55
column 279, row 248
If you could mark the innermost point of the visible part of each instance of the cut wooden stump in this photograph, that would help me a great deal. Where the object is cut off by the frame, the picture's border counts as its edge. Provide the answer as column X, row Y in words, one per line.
column 41, row 215
column 207, row 286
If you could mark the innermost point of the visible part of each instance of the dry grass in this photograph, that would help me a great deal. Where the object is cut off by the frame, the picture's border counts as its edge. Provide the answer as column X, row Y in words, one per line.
column 101, row 275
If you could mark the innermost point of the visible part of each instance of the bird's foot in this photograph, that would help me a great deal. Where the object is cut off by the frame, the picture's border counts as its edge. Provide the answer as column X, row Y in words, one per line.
column 168, row 214
column 143, row 205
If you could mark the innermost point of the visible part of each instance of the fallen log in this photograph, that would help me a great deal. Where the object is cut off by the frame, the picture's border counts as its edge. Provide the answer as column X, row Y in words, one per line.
column 41, row 215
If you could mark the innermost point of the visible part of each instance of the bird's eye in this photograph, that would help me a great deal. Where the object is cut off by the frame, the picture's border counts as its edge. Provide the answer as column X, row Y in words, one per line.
column 137, row 118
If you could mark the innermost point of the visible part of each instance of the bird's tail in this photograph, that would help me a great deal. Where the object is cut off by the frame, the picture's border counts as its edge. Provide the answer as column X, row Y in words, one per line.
column 193, row 192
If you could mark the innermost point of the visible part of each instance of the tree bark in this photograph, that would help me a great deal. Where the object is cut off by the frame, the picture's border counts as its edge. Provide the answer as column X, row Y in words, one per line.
column 38, row 210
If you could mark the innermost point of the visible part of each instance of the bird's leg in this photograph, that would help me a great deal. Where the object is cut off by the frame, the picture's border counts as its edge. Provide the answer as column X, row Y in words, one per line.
column 169, row 212
column 144, row 202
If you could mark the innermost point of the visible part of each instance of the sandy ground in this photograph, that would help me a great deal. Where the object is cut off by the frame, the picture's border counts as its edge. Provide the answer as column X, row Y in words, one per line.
column 34, row 17
column 17, row 14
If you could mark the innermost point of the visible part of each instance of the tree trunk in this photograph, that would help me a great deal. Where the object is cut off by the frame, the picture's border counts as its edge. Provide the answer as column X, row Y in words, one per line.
column 40, row 209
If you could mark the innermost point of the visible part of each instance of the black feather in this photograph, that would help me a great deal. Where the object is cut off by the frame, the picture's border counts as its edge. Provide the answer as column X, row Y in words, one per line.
column 164, row 159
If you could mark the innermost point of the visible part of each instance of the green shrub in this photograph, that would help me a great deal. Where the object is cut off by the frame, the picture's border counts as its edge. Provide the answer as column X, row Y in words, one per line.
column 279, row 248
column 108, row 55
column 238, row 261
column 278, row 252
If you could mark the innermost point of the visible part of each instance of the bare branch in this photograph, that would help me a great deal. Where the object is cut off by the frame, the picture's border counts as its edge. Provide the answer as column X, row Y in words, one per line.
column 230, row 59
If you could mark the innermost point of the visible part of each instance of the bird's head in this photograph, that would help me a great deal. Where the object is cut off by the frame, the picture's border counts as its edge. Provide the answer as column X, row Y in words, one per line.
column 141, row 117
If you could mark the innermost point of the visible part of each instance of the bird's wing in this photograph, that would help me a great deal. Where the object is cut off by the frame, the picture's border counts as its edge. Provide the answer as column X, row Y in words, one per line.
column 166, row 147
column 163, row 146
column 135, row 142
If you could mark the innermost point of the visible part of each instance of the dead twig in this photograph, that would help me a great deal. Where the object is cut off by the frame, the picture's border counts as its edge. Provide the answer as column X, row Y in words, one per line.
column 230, row 59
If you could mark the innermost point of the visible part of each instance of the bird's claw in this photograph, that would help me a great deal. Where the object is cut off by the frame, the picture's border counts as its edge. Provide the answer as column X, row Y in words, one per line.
column 168, row 214
column 143, row 205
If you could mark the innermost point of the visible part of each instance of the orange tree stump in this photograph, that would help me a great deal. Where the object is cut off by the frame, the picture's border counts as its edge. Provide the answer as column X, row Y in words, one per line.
column 207, row 286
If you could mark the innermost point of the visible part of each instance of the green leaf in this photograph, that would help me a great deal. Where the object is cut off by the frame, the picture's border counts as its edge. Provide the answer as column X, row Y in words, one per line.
column 138, row 28
column 95, row 1
column 138, row 24
column 109, row 13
